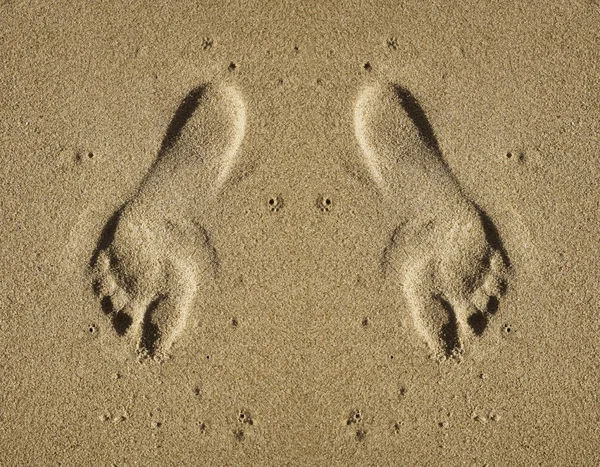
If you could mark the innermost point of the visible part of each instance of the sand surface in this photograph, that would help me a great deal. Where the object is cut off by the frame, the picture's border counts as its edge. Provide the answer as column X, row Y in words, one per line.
column 299, row 233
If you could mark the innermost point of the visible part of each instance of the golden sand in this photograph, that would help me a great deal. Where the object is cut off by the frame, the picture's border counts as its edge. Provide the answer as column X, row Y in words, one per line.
column 299, row 233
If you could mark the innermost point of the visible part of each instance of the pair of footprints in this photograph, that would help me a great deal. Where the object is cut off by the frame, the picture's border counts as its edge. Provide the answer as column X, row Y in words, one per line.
column 444, row 253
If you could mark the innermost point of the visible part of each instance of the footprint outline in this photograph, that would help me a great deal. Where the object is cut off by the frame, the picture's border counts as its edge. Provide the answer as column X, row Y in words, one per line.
column 146, row 265
column 445, row 250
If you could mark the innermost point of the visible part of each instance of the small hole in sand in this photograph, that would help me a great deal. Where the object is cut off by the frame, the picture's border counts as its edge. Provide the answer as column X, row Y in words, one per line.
column 245, row 417
column 354, row 417
column 391, row 357
column 92, row 329
column 232, row 66
column 208, row 357
column 392, row 43
column 90, row 155
column 275, row 203
column 365, row 322
column 324, row 203
column 367, row 66
column 234, row 322
column 509, row 155
column 207, row 43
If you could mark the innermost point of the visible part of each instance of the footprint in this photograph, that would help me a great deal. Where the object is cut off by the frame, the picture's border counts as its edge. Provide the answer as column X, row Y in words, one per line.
column 153, row 251
column 448, row 256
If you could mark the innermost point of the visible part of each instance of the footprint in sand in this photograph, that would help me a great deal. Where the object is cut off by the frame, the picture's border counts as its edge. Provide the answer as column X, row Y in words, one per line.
column 450, row 260
column 151, row 253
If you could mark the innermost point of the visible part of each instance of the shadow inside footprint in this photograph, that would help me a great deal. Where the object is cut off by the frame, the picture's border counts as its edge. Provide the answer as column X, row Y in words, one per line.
column 415, row 112
column 121, row 323
column 182, row 115
column 492, row 235
column 106, row 304
column 150, row 331
column 478, row 322
column 494, row 303
column 106, row 237
column 449, row 334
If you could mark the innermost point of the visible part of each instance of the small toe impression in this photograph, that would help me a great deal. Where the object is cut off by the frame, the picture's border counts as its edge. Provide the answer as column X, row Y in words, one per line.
column 121, row 322
column 478, row 321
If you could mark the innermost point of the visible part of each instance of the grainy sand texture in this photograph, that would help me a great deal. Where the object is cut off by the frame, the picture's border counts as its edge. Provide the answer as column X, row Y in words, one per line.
column 300, row 233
